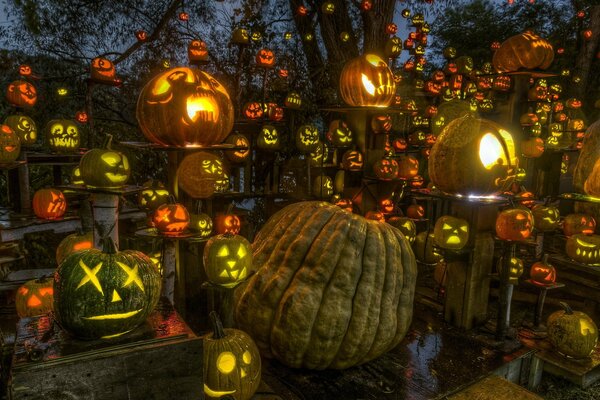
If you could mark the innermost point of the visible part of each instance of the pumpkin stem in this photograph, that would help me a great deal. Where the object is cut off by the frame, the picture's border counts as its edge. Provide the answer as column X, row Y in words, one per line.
column 108, row 245
column 218, row 331
column 567, row 308
column 172, row 199
column 108, row 141
column 229, row 208
column 545, row 259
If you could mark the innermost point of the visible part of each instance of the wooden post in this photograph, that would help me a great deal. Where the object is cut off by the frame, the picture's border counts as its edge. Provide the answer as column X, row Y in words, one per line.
column 170, row 270
column 105, row 209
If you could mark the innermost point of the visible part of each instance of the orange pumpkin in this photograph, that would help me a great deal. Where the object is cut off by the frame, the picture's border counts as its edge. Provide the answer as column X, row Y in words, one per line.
column 35, row 297
column 579, row 223
column 514, row 224
column 227, row 223
column 102, row 70
column 21, row 94
column 49, row 204
column 201, row 174
column 197, row 51
column 10, row 145
column 542, row 272
column 526, row 50
column 265, row 58
column 171, row 219
column 367, row 81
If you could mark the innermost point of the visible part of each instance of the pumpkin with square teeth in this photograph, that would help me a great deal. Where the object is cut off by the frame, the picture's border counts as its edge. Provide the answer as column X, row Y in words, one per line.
column 63, row 135
column 584, row 248
column 367, row 81
column 227, row 259
column 104, row 168
column 105, row 293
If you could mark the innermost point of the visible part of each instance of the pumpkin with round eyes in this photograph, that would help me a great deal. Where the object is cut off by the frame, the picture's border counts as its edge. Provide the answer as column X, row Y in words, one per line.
column 104, row 168
column 24, row 127
column 265, row 58
column 102, row 70
column 104, row 294
column 353, row 160
column 515, row 269
column 227, row 259
column 386, row 169
column 63, row 135
column 10, row 145
column 526, row 50
column 268, row 138
column 545, row 218
column 579, row 223
column 322, row 187
column 49, row 204
column 76, row 177
column 406, row 226
column 542, row 272
column 514, row 224
column 153, row 195
column 238, row 140
column 240, row 36
column 232, row 366
column 307, row 138
column 35, row 297
column 584, row 248
column 201, row 174
column 184, row 107
column 21, row 94
column 451, row 233
column 171, row 219
column 572, row 333
column 367, row 81
column 340, row 134
column 227, row 223
column 197, row 51
column 73, row 243
column 201, row 223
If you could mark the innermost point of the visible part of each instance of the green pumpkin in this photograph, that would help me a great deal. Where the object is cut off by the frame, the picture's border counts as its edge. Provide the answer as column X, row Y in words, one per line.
column 573, row 333
column 24, row 127
column 154, row 195
column 104, row 294
column 63, row 136
column 227, row 259
column 104, row 168
column 201, row 223
column 72, row 243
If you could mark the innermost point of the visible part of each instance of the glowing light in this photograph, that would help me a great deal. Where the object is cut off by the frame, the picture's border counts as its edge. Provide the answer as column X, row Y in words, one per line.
column 226, row 362
column 113, row 316
column 202, row 107
column 369, row 87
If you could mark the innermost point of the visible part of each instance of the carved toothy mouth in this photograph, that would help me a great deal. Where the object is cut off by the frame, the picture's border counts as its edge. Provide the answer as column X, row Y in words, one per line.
column 64, row 142
column 202, row 108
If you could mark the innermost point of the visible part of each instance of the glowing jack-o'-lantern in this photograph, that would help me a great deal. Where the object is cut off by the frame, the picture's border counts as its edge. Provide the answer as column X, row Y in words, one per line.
column 473, row 156
column 268, row 138
column 81, row 117
column 63, row 135
column 322, row 187
column 320, row 156
column 104, row 294
column 102, row 70
column 345, row 204
column 375, row 216
column 238, row 140
column 25, row 70
column 579, row 223
column 227, row 259
column 542, row 272
column 24, row 127
column 545, row 218
column 415, row 211
column 35, row 297
column 307, row 138
column 572, row 333
column 293, row 100
column 253, row 110
column 49, row 204
column 76, row 176
column 408, row 167
column 227, row 223
column 73, row 243
column 197, row 51
column 171, row 219
column 405, row 225
column 339, row 133
column 514, row 224
column 399, row 144
column 393, row 47
column 526, row 50
column 104, row 168
column 10, row 145
column 184, row 107
column 451, row 233
column 201, row 223
column 353, row 160
column 515, row 269
column 232, row 363
column 240, row 36
column 367, row 81
column 584, row 248
column 381, row 123
column 532, row 147
column 424, row 248
column 201, row 174
column 386, row 169
column 386, row 205
column 265, row 58
column 153, row 195
column 21, row 94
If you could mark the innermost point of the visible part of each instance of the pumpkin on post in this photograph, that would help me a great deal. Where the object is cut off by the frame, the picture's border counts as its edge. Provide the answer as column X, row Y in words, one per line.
column 542, row 272
column 35, row 297
column 572, row 333
column 451, row 233
column 49, row 204
column 171, row 219
column 104, row 168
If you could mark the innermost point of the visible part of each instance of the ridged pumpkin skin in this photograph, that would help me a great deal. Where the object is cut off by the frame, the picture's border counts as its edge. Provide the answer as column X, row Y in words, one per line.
column 588, row 155
column 367, row 81
column 332, row 289
column 573, row 333
column 525, row 50
column 72, row 243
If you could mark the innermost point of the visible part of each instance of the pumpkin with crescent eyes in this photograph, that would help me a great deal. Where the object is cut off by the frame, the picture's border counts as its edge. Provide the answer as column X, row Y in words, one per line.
column 63, row 135
column 24, row 127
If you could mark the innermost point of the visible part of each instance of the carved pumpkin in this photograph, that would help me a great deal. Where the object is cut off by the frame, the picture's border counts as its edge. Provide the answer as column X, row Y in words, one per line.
column 34, row 297
column 201, row 223
column 153, row 195
column 25, row 70
column 386, row 169
column 227, row 259
column 24, row 127
column 542, row 272
column 579, row 223
column 320, row 156
column 345, row 204
column 322, row 187
column 63, row 136
column 526, row 50
column 381, row 123
column 253, row 110
column 404, row 225
column 49, row 204
column 184, row 107
column 545, row 218
column 532, row 147
column 76, row 176
column 307, row 138
column 197, row 51
column 514, row 224
column 10, row 145
column 367, row 81
column 238, row 140
column 573, row 333
column 104, row 168
column 340, row 134
column 375, row 216
column 399, row 145
column 408, row 167
column 584, row 248
column 201, row 174
column 81, row 117
column 227, row 223
column 473, row 156
column 424, row 248
column 232, row 364
column 171, row 219
column 73, row 243
column 240, row 36
column 415, row 211
column 21, row 94
column 393, row 47
column 293, row 100
column 102, row 70
column 104, row 294
column 451, row 233
column 309, row 248
column 268, row 138
column 265, row 58
column 447, row 112
column 515, row 269
column 353, row 160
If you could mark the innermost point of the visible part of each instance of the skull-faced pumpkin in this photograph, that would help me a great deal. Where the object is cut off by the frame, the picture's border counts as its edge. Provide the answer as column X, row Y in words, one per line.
column 63, row 135
column 24, row 127
column 307, row 138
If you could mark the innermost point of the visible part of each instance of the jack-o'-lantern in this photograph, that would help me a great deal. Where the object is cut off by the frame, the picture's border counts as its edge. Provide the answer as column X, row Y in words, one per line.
column 320, row 156
column 405, row 225
column 253, row 110
column 526, row 50
column 340, row 134
column 265, row 58
column 579, row 223
column 545, row 218
column 73, row 243
column 227, row 259
column 171, row 219
column 201, row 174
column 104, row 168
column 49, row 204
column 307, row 138
column 227, row 223
column 153, row 195
column 21, row 94
column 274, row 112
column 76, row 176
column 417, row 138
column 240, row 36
column 201, row 224
column 141, row 35
column 451, row 233
column 572, row 333
column 515, row 269
column 367, row 81
column 105, row 294
column 24, row 127
column 391, row 28
column 10, row 145
column 35, row 297
column 584, row 248
column 424, row 248
column 231, row 363
column 381, row 123
column 25, row 70
column 102, row 70
column 502, row 83
column 464, row 64
column 375, row 216
column 63, row 135
column 532, row 147
column 525, row 198
column 399, row 144
column 345, row 204
column 415, row 211
column 408, row 167
column 473, row 156
column 386, row 169
column 268, row 138
column 514, row 224
column 447, row 112
column 197, row 51
column 238, row 140
column 183, row 16
column 393, row 47
column 322, row 187
column 386, row 205
column 81, row 117
column 184, row 107
column 353, row 160
column 543, row 273
column 293, row 100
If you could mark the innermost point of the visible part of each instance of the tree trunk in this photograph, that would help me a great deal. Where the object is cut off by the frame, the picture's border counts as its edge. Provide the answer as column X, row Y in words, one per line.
column 587, row 55
column 374, row 23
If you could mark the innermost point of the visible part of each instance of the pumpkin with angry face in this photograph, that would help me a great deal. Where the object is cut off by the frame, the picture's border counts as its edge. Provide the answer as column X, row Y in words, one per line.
column 227, row 259
column 21, row 94
column 307, row 138
column 184, row 107
column 104, row 294
column 265, row 58
column 253, row 110
column 268, row 138
column 104, row 168
column 10, row 145
column 63, row 135
column 339, row 133
column 171, row 219
column 451, row 233
column 514, row 224
column 153, row 195
column 24, row 127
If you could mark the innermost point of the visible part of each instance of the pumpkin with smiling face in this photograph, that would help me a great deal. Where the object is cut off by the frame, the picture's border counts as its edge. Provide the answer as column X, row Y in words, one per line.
column 105, row 293
column 268, row 138
column 227, row 259
column 197, row 51
column 21, row 94
column 10, row 145
column 367, row 81
column 104, row 168
column 24, row 127
column 265, row 58
column 63, row 136
column 238, row 140
column 184, row 107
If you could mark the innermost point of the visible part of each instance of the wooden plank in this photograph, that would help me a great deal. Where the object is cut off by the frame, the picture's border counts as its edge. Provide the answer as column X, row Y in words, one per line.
column 494, row 388
column 535, row 373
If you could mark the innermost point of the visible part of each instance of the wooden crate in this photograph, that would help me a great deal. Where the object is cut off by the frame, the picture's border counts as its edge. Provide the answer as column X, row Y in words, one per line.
column 161, row 359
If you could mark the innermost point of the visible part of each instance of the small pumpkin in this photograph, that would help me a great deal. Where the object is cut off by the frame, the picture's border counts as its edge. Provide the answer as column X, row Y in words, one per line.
column 353, row 160
column 171, row 219
column 232, row 365
column 102, row 70
column 415, row 211
column 584, row 248
column 542, row 272
column 532, row 147
column 386, row 169
column 367, row 81
column 339, row 134
column 307, row 138
column 451, row 233
column 63, row 135
column 104, row 168
column 268, row 138
column 73, row 243
column 424, row 248
column 10, row 145
column 572, row 333
column 322, row 186
column 375, row 216
column 404, row 225
column 579, row 223
column 201, row 223
column 24, row 127
column 265, row 58
column 49, row 204
column 201, row 174
column 515, row 269
column 545, row 218
column 153, row 195
column 408, row 167
column 514, row 224
column 227, row 223
column 227, row 259
column 197, row 51
column 238, row 140
column 35, row 297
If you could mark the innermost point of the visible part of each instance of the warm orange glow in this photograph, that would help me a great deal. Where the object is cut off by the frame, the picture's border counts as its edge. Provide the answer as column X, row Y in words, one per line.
column 82, row 246
column 369, row 87
column 202, row 107
column 34, row 301
column 46, row 291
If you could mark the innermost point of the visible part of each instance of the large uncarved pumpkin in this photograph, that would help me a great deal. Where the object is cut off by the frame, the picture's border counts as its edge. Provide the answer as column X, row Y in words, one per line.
column 332, row 289
column 589, row 154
